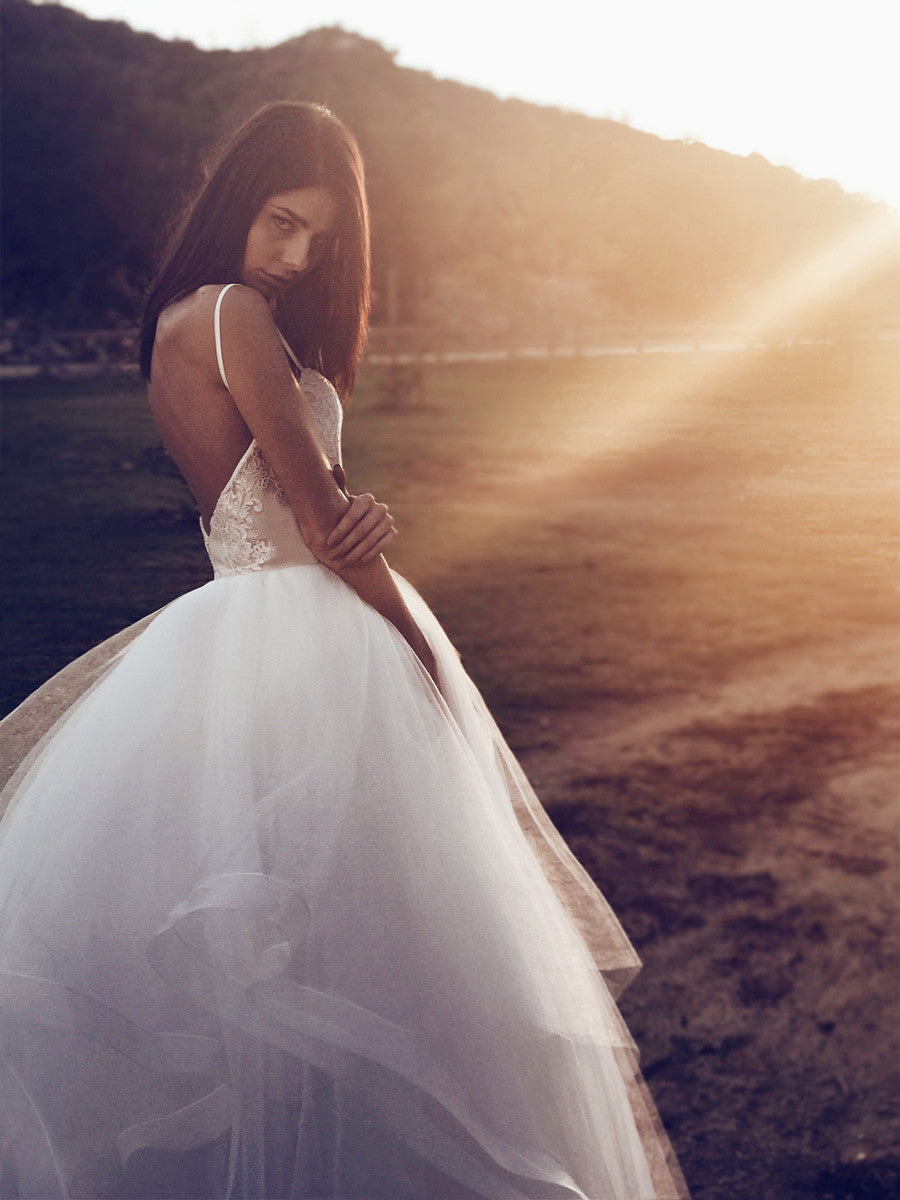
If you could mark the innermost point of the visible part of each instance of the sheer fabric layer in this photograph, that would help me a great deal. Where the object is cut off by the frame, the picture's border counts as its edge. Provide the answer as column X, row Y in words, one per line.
column 292, row 923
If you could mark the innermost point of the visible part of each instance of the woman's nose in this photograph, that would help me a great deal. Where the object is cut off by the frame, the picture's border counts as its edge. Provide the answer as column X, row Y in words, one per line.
column 296, row 255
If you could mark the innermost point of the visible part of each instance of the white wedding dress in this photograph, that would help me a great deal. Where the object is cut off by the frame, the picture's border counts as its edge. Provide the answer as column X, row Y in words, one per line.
column 282, row 919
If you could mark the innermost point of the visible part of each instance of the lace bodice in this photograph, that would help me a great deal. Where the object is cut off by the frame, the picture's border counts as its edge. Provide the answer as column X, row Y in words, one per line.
column 252, row 525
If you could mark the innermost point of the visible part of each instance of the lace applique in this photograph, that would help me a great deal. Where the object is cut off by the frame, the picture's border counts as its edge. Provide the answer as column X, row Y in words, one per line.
column 326, row 408
column 261, row 475
column 235, row 544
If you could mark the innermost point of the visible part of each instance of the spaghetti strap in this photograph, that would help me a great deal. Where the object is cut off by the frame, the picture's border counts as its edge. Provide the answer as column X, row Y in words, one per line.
column 217, row 324
column 291, row 355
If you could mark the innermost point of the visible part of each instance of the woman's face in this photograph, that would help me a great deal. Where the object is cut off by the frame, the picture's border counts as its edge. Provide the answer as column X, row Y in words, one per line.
column 287, row 238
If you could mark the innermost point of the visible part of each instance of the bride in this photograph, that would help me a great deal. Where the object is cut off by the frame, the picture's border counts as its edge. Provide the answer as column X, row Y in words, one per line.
column 281, row 916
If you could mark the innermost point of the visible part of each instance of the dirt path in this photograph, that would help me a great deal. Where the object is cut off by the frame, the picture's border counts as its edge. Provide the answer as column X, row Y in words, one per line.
column 748, row 837
column 766, row 685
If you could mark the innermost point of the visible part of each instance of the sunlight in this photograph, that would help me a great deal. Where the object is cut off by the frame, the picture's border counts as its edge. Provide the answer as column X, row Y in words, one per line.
column 791, row 300
column 681, row 390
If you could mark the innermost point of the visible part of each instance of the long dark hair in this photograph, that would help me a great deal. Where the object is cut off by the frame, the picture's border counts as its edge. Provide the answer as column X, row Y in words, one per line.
column 283, row 147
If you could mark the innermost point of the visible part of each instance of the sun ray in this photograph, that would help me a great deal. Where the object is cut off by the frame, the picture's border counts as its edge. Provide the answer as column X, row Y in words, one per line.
column 674, row 394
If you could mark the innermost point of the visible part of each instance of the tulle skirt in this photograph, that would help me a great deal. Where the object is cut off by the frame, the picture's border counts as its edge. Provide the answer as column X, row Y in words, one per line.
column 280, row 918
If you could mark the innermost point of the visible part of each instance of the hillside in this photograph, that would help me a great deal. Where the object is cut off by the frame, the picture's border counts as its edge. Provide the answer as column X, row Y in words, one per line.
column 493, row 219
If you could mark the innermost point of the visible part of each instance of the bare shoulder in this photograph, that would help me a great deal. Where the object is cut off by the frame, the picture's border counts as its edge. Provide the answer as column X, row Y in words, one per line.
column 246, row 318
column 184, row 332
column 252, row 351
column 186, row 328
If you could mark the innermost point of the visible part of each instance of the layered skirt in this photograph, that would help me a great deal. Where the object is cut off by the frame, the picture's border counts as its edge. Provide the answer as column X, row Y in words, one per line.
column 281, row 918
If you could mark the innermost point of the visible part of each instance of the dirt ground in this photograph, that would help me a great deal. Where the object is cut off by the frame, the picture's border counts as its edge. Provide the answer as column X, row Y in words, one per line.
column 761, row 890
column 710, row 714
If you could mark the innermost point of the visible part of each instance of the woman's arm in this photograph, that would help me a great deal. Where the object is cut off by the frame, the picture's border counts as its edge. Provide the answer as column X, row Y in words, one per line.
column 272, row 403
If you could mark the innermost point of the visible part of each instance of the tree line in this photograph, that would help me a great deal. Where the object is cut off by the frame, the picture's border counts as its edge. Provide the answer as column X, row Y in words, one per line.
column 492, row 219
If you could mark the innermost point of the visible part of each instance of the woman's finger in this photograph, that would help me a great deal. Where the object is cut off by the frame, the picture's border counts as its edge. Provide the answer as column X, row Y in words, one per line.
column 363, row 534
column 376, row 518
column 381, row 535
column 368, row 550
column 360, row 507
column 373, row 554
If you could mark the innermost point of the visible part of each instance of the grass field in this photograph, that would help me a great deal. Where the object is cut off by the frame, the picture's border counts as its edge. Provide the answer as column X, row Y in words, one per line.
column 675, row 580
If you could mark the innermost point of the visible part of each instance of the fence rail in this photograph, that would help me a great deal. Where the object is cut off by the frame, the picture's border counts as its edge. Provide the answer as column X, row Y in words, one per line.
column 75, row 352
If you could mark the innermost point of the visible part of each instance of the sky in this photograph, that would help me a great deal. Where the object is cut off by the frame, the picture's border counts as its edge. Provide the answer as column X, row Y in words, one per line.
column 810, row 84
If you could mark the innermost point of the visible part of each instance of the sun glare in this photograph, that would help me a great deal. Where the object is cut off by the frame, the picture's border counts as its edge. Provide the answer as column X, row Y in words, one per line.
column 594, row 433
column 788, row 301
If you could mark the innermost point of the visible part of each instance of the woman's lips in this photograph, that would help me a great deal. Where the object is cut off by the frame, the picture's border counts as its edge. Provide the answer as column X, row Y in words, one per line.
column 280, row 282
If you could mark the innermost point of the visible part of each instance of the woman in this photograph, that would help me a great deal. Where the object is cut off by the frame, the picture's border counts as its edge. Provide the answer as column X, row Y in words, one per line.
column 281, row 915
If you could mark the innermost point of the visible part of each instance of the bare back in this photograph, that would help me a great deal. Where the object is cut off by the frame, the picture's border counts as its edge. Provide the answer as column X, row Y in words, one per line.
column 199, row 423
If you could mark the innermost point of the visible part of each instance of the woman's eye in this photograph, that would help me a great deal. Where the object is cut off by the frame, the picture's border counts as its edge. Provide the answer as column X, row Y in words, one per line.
column 281, row 223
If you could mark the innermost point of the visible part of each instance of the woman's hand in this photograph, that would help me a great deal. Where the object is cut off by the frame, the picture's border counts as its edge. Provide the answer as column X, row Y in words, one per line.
column 365, row 530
